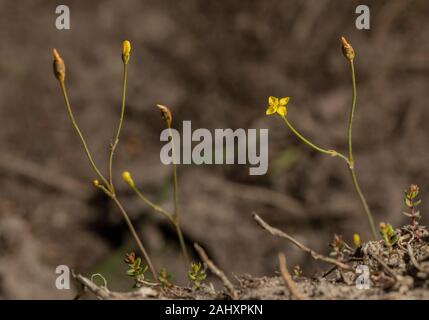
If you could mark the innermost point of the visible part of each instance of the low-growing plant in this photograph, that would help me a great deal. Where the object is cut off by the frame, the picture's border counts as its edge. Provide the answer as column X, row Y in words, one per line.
column 165, row 277
column 388, row 234
column 411, row 203
column 197, row 274
column 106, row 182
column 279, row 107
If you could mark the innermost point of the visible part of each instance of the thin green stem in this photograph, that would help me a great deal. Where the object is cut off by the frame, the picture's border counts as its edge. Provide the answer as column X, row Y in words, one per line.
column 364, row 203
column 79, row 132
column 312, row 145
column 175, row 187
column 153, row 205
column 352, row 112
column 176, row 204
column 182, row 244
column 107, row 190
column 118, row 132
column 351, row 159
column 136, row 237
column 169, row 217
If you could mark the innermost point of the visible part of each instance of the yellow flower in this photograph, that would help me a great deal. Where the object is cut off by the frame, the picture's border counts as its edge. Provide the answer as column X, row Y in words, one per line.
column 126, row 49
column 276, row 105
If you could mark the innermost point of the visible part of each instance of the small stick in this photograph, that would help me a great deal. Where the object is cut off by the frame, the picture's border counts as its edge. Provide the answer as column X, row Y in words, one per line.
column 104, row 293
column 383, row 264
column 291, row 285
column 314, row 254
column 219, row 273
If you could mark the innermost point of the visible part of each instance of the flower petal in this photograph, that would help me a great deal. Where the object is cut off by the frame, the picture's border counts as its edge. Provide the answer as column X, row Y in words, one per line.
column 284, row 101
column 273, row 101
column 282, row 111
column 271, row 110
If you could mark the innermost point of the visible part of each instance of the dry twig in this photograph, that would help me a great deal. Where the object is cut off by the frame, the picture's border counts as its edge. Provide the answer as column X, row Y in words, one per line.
column 293, row 289
column 314, row 254
column 219, row 273
column 104, row 293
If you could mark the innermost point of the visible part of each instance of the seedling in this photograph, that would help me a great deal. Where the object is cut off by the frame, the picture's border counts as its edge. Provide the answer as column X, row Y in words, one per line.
column 279, row 107
column 297, row 271
column 164, row 277
column 338, row 247
column 135, row 270
column 411, row 203
column 388, row 234
column 196, row 274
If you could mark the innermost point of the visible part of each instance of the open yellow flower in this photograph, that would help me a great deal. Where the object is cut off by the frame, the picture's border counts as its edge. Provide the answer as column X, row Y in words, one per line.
column 276, row 105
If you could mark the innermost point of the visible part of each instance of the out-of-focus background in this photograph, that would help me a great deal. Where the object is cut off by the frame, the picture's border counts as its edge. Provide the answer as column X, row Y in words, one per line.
column 214, row 63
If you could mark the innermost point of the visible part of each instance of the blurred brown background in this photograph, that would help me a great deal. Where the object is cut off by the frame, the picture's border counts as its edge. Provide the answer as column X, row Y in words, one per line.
column 215, row 63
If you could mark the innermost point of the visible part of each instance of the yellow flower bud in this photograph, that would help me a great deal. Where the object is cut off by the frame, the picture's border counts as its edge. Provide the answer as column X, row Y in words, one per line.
column 59, row 66
column 356, row 240
column 126, row 176
column 126, row 50
column 96, row 183
column 348, row 50
column 165, row 114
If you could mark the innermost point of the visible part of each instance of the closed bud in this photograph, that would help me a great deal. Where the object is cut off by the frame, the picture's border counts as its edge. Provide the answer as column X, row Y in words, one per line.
column 126, row 176
column 126, row 50
column 165, row 114
column 59, row 66
column 96, row 183
column 356, row 240
column 348, row 50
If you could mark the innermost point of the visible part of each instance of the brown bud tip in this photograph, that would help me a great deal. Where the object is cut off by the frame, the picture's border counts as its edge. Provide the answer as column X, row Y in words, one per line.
column 165, row 114
column 348, row 50
column 59, row 66
column 414, row 188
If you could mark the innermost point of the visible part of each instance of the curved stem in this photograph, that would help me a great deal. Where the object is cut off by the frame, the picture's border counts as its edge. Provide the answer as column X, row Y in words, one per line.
column 351, row 159
column 79, row 132
column 135, row 235
column 121, row 120
column 153, row 205
column 312, row 145
column 173, row 221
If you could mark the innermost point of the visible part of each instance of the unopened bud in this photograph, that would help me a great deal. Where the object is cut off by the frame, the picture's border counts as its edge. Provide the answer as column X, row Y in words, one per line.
column 126, row 176
column 165, row 114
column 126, row 50
column 348, row 50
column 59, row 66
column 96, row 183
column 356, row 240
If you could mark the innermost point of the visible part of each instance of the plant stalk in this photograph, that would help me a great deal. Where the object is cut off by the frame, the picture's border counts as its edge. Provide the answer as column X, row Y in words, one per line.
column 121, row 120
column 135, row 235
column 351, row 159
column 312, row 145
column 108, row 191
column 79, row 132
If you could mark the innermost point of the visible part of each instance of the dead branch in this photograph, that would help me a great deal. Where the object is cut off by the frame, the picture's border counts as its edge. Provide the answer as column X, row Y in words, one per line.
column 219, row 273
column 314, row 254
column 104, row 293
column 293, row 289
